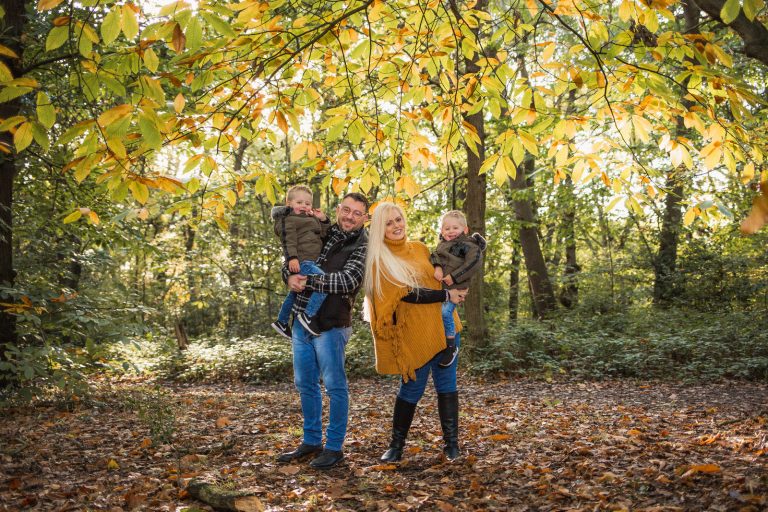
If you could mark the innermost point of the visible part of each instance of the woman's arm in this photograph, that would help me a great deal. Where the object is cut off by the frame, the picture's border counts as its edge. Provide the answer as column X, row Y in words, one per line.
column 426, row 296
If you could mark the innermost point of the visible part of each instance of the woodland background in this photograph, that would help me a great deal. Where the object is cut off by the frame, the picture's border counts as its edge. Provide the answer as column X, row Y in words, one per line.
column 608, row 151
column 611, row 153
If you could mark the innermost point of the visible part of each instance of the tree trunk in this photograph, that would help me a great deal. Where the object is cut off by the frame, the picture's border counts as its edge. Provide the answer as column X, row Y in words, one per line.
column 475, row 203
column 514, row 284
column 538, row 277
column 569, row 292
column 542, row 292
column 665, row 264
column 13, row 26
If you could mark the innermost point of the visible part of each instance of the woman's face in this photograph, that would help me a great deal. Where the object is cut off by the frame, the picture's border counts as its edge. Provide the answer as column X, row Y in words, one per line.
column 395, row 226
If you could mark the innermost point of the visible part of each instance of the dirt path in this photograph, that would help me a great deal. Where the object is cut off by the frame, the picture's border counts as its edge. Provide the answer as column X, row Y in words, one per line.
column 529, row 446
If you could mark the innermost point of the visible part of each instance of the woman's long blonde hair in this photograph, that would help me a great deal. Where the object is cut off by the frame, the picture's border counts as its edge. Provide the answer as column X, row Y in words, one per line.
column 379, row 260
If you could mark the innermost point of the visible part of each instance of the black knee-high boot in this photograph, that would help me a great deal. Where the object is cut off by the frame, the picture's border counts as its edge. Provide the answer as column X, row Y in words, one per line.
column 401, row 423
column 448, row 408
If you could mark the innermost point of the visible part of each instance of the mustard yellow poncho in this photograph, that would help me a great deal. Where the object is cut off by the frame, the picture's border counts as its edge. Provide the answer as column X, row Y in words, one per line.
column 419, row 334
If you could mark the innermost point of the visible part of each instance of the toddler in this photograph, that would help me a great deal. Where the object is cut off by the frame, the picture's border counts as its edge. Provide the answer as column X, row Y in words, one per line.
column 300, row 229
column 457, row 257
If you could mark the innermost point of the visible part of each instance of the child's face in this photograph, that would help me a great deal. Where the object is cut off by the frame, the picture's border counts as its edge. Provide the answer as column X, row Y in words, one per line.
column 452, row 228
column 301, row 202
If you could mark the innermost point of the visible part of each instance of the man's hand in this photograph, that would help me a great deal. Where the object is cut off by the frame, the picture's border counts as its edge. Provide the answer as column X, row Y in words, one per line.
column 448, row 280
column 297, row 283
column 294, row 266
column 439, row 273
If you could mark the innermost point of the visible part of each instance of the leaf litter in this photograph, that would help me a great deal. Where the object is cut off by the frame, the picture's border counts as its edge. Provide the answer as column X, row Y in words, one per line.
column 527, row 445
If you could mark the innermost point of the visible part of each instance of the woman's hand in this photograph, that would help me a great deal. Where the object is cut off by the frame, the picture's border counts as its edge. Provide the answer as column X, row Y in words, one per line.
column 457, row 296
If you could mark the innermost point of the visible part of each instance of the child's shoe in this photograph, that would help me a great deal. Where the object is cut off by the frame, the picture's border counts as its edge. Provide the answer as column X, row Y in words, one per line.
column 448, row 355
column 309, row 323
column 282, row 329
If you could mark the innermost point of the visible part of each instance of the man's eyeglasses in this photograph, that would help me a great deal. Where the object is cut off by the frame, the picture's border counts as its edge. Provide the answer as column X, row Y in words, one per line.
column 346, row 210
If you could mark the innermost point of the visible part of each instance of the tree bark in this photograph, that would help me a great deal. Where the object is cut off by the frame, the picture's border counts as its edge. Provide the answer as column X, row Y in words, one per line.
column 753, row 33
column 475, row 203
column 513, row 304
column 665, row 264
column 538, row 276
column 13, row 26
column 221, row 498
column 569, row 292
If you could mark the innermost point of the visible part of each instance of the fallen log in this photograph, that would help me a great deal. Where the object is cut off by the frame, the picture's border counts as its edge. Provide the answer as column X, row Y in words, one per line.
column 224, row 499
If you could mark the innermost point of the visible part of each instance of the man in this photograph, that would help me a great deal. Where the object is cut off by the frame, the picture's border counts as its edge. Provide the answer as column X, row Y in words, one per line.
column 322, row 356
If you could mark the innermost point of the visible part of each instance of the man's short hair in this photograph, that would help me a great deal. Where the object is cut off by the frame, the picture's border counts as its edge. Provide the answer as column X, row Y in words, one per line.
column 298, row 188
column 454, row 214
column 356, row 196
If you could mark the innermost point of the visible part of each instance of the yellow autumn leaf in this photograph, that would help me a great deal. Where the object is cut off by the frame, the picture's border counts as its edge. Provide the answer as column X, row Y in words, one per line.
column 689, row 216
column 114, row 114
column 47, row 5
column 72, row 217
column 179, row 102
column 112, row 464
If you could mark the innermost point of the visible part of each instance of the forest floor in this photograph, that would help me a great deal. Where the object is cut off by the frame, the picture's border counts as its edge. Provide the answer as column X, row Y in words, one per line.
column 527, row 445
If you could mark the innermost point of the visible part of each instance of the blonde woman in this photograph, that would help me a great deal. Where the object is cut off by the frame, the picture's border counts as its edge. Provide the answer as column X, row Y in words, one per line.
column 404, row 304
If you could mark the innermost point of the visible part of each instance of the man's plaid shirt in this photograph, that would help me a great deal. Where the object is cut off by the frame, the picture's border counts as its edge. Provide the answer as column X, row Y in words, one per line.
column 346, row 281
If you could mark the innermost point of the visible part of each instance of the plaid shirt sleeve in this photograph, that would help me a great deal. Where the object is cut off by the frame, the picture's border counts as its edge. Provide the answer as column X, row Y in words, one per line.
column 347, row 280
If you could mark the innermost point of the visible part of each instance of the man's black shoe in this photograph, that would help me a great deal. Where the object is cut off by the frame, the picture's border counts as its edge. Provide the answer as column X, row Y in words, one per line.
column 303, row 451
column 327, row 459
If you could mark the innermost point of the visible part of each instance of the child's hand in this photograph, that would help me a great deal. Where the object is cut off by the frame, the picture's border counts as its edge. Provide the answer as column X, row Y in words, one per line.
column 317, row 212
column 293, row 266
column 448, row 280
column 439, row 273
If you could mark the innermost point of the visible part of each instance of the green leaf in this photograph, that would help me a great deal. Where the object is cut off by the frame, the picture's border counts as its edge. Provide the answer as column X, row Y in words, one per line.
column 72, row 217
column 752, row 7
column 730, row 11
column 46, row 113
column 40, row 134
column 23, row 136
column 151, row 60
column 194, row 33
column 139, row 191
column 218, row 24
column 110, row 27
column 56, row 37
column 9, row 93
column 130, row 23
column 150, row 132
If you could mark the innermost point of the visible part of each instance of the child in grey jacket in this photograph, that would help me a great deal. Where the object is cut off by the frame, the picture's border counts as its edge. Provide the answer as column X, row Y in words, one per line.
column 301, row 230
column 457, row 257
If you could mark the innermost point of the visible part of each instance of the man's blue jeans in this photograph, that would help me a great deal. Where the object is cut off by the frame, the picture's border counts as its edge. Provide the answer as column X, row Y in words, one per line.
column 448, row 323
column 316, row 358
column 444, row 379
column 315, row 300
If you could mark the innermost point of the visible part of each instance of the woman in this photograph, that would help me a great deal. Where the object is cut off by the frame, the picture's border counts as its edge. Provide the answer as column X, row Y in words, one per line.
column 404, row 304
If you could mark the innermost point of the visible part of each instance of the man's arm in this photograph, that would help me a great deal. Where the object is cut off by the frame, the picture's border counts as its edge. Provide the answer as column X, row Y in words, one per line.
column 344, row 281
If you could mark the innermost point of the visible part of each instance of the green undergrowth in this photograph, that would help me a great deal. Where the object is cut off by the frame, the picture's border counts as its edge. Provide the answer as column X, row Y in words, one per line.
column 676, row 344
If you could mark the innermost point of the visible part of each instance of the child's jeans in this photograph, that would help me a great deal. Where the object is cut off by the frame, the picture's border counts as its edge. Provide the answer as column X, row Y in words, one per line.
column 315, row 300
column 450, row 326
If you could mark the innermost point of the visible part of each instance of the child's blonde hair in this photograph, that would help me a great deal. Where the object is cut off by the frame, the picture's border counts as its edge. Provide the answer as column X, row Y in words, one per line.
column 298, row 188
column 454, row 214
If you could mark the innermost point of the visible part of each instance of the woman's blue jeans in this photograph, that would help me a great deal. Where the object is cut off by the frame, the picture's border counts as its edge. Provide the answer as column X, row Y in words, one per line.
column 317, row 358
column 444, row 379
